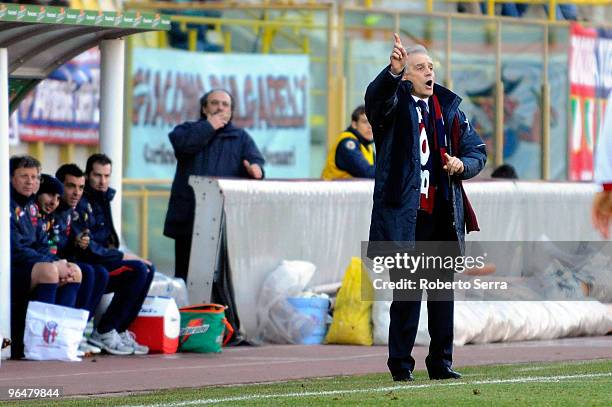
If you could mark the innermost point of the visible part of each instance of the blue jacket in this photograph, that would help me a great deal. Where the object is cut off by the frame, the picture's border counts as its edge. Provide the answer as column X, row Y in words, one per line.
column 390, row 109
column 29, row 240
column 200, row 150
column 93, row 213
column 58, row 226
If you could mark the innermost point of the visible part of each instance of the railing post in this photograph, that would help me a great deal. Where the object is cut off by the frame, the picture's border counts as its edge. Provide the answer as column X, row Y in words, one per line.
column 545, row 131
column 144, row 224
column 499, row 100
column 192, row 39
column 449, row 51
column 67, row 153
column 37, row 150
column 545, row 99
column 227, row 41
column 335, row 72
column 429, row 6
column 490, row 7
column 552, row 10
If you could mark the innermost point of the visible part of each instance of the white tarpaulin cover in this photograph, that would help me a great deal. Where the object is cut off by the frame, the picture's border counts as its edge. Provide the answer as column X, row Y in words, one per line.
column 325, row 222
column 504, row 321
column 267, row 222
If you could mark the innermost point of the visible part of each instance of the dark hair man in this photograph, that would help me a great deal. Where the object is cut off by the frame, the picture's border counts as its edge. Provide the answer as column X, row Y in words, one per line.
column 69, row 185
column 211, row 146
column 352, row 155
column 505, row 171
column 98, row 243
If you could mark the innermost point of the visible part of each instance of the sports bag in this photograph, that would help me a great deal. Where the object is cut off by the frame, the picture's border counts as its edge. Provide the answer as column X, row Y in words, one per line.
column 204, row 328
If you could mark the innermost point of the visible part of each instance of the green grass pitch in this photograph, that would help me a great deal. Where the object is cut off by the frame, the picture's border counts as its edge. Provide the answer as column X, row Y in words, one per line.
column 584, row 383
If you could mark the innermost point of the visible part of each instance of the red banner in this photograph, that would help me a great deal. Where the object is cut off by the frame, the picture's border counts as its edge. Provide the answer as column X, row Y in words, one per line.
column 589, row 63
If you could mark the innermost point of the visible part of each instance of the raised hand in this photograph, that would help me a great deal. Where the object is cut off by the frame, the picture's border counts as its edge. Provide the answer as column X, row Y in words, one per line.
column 399, row 57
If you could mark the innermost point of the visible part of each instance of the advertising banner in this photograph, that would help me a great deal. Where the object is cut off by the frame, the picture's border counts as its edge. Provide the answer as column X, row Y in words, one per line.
column 65, row 107
column 590, row 75
column 270, row 95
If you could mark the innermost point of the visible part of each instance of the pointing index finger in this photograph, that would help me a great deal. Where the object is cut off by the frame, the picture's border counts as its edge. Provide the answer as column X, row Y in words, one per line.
column 397, row 40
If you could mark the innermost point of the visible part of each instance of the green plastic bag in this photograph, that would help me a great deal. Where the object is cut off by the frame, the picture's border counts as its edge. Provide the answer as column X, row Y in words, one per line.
column 204, row 328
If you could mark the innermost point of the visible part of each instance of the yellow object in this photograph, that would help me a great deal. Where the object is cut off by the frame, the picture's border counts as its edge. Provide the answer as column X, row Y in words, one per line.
column 331, row 171
column 351, row 324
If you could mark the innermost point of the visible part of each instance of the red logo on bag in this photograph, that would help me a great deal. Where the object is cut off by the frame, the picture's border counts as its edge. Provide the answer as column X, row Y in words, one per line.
column 50, row 332
column 195, row 326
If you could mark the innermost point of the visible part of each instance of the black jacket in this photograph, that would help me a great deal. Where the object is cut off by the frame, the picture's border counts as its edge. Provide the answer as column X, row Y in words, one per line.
column 93, row 212
column 200, row 150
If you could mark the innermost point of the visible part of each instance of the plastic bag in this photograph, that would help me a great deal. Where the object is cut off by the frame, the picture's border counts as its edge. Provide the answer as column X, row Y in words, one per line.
column 277, row 320
column 351, row 322
column 164, row 286
column 53, row 332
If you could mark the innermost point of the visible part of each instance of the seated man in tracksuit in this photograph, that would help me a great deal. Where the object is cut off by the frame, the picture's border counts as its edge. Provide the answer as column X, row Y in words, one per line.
column 36, row 274
column 97, row 242
column 56, row 215
column 352, row 155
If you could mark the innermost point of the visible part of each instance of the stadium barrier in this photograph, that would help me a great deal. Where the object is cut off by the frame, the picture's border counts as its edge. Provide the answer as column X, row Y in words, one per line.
column 246, row 228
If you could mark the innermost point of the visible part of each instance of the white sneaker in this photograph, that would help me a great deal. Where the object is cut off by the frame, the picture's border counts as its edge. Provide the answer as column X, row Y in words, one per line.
column 129, row 338
column 80, row 353
column 110, row 342
column 88, row 348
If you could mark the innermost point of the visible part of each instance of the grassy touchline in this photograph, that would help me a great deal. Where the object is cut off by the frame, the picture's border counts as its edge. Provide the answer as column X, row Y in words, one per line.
column 560, row 383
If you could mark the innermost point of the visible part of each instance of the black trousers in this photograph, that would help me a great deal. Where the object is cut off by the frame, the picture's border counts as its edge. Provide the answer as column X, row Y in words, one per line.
column 404, row 314
column 182, row 252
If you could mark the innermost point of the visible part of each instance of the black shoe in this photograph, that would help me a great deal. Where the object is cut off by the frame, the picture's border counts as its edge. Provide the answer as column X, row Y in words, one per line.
column 404, row 377
column 444, row 373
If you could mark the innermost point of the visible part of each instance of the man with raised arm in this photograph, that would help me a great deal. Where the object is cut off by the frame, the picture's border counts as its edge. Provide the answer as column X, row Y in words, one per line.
column 425, row 147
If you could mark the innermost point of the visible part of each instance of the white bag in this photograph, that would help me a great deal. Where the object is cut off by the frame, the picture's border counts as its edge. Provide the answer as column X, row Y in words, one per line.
column 53, row 332
column 277, row 320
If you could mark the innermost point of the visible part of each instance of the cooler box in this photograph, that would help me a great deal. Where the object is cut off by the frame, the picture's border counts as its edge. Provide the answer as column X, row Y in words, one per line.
column 157, row 325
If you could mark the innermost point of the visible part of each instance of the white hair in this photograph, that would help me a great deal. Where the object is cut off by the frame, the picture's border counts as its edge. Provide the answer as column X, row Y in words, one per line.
column 416, row 49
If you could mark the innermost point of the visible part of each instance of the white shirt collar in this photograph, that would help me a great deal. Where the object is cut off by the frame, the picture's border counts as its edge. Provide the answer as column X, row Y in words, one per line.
column 426, row 100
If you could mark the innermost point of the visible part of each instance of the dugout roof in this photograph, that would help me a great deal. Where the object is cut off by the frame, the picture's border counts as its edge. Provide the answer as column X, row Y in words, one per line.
column 40, row 39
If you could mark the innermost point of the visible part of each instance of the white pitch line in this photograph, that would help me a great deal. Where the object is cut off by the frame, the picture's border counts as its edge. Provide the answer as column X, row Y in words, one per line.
column 542, row 379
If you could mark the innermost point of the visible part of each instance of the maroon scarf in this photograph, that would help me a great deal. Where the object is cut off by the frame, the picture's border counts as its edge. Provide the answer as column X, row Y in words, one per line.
column 471, row 223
